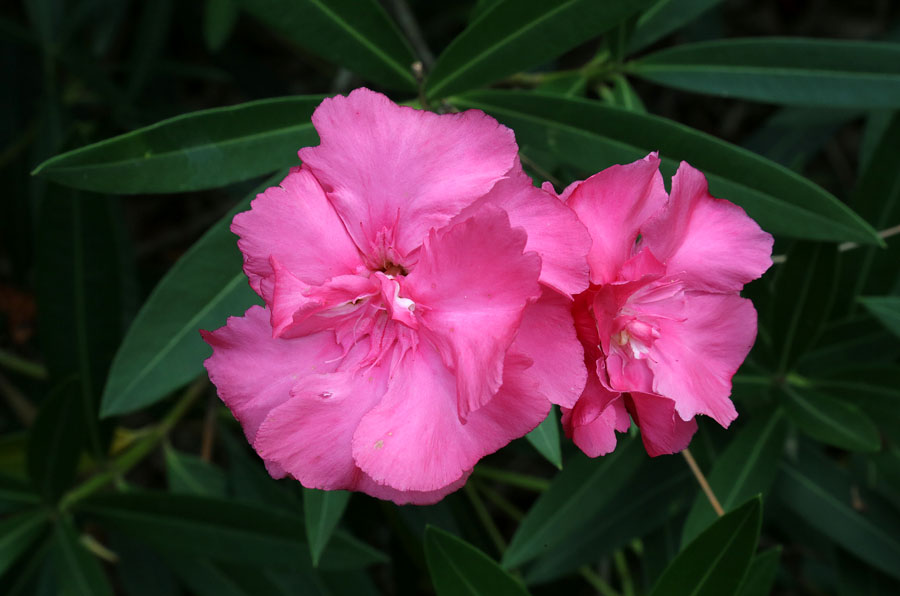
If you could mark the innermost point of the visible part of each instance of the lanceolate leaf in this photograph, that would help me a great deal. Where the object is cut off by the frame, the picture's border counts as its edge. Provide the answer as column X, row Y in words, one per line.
column 357, row 34
column 17, row 533
column 459, row 569
column 56, row 439
column 717, row 561
column 204, row 149
column 323, row 510
column 76, row 571
column 592, row 136
column 761, row 574
column 886, row 309
column 514, row 35
column 190, row 475
column 806, row 72
column 664, row 17
column 831, row 420
column 545, row 438
column 163, row 349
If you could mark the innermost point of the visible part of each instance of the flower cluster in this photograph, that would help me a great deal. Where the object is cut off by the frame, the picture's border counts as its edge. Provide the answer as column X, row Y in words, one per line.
column 425, row 304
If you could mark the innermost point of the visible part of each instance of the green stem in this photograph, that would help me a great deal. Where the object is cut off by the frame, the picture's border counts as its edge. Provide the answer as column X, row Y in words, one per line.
column 485, row 517
column 137, row 452
column 597, row 582
column 512, row 478
column 10, row 361
column 501, row 502
column 624, row 573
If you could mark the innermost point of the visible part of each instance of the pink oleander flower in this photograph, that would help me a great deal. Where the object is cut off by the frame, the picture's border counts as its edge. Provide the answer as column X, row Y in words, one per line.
column 417, row 294
column 663, row 325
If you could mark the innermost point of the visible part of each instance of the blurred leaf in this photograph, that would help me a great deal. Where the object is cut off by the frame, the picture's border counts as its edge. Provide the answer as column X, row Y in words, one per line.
column 576, row 495
column 15, row 495
column 886, row 309
column 566, row 84
column 664, row 17
column 323, row 510
column 249, row 481
column 545, row 438
column 716, row 562
column 745, row 468
column 876, row 125
column 660, row 489
column 855, row 578
column 204, row 578
column 219, row 19
column 189, row 475
column 150, row 36
column 793, row 136
column 458, row 568
column 871, row 387
column 356, row 34
column 832, row 421
column 515, row 35
column 622, row 95
column 817, row 492
column 761, row 575
column 593, row 136
column 222, row 530
column 853, row 341
column 792, row 71
column 205, row 149
column 140, row 570
column 80, row 284
column 56, row 439
column 17, row 533
column 76, row 571
column 163, row 349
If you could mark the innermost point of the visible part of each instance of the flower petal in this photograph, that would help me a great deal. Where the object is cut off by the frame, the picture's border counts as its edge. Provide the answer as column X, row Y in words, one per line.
column 613, row 204
column 662, row 429
column 470, row 287
column 414, row 440
column 254, row 372
column 387, row 167
column 593, row 422
column 294, row 223
column 709, row 243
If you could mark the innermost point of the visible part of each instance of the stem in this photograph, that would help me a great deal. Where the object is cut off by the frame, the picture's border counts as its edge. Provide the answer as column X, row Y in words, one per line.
column 208, row 441
column 512, row 478
column 485, row 518
column 502, row 503
column 624, row 573
column 597, row 582
column 407, row 21
column 701, row 480
column 141, row 449
column 10, row 361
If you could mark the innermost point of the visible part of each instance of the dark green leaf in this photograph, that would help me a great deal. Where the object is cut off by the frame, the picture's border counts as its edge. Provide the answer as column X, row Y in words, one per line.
column 149, row 39
column 357, row 34
column 545, row 438
column 163, row 350
column 622, row 95
column 204, row 578
column 819, row 493
column 830, row 420
column 761, row 575
column 458, row 568
column 793, row 136
column 17, row 533
column 249, row 482
column 205, row 149
column 15, row 495
column 323, row 511
column 871, row 387
column 746, row 467
column 886, row 309
column 76, row 571
column 577, row 494
column 793, row 71
column 592, row 136
column 219, row 19
column 222, row 530
column 664, row 17
column 716, row 562
column 55, row 441
column 140, row 570
column 188, row 474
column 515, row 35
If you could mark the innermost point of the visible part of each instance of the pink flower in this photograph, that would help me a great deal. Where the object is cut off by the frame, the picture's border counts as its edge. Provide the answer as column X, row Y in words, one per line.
column 417, row 292
column 663, row 326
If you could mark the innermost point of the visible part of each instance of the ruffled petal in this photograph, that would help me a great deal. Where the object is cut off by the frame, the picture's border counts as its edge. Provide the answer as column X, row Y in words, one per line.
column 662, row 429
column 470, row 287
column 387, row 167
column 254, row 372
column 295, row 224
column 593, row 422
column 613, row 204
column 709, row 243
column 414, row 441
column 408, row 497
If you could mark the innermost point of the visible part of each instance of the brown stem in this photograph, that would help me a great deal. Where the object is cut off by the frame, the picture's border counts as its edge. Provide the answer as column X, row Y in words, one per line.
column 701, row 480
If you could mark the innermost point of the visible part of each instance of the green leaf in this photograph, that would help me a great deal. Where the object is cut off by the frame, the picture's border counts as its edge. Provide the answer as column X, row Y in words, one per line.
column 17, row 533
column 76, row 571
column 356, row 34
column 822, row 495
column 576, row 495
column 323, row 510
column 163, row 349
column 221, row 530
column 791, row 71
column 15, row 495
column 545, row 438
column 219, row 19
column 747, row 467
column 622, row 95
column 189, row 475
column 55, row 441
column 205, row 578
column 140, row 570
column 592, row 136
column 205, row 149
column 716, row 562
column 830, row 420
column 665, row 17
column 458, row 568
column 761, row 575
column 248, row 480
column 871, row 387
column 658, row 492
column 515, row 35
column 886, row 309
